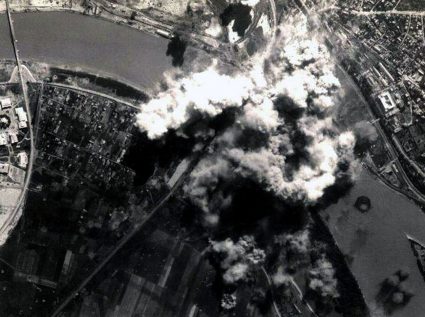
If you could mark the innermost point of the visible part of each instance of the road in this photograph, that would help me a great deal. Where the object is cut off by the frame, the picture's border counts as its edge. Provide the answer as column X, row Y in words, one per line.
column 294, row 288
column 407, row 32
column 389, row 13
column 136, row 228
column 258, row 13
column 274, row 21
column 120, row 244
column 391, row 150
column 16, row 212
column 269, row 281
column 303, row 7
column 93, row 92
column 201, row 40
column 411, row 162
column 373, row 13
column 389, row 145
column 394, row 156
column 124, row 12
column 419, row 196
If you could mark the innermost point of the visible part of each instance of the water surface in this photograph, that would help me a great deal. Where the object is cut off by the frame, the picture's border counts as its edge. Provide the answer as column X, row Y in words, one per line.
column 91, row 43
column 376, row 240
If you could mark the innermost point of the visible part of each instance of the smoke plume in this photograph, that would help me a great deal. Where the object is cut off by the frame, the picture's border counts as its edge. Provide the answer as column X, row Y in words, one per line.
column 283, row 138
column 237, row 260
column 322, row 279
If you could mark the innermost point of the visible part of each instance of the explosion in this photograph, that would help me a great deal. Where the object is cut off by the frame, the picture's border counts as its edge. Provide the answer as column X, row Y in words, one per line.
column 284, row 100
column 237, row 259
column 283, row 138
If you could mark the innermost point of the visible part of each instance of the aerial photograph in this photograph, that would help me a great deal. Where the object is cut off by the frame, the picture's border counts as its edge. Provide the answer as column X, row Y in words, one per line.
column 212, row 158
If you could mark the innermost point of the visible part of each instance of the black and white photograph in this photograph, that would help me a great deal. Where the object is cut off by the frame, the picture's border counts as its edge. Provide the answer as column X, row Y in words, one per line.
column 212, row 158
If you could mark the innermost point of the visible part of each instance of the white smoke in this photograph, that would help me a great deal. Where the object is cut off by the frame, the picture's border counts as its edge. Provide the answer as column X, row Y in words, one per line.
column 281, row 277
column 298, row 242
column 214, row 29
column 299, row 70
column 322, row 279
column 233, row 36
column 376, row 310
column 207, row 92
column 238, row 259
column 251, row 3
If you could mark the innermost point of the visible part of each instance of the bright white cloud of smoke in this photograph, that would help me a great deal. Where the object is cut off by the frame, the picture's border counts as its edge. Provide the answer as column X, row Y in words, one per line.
column 251, row 3
column 297, row 69
column 322, row 279
column 238, row 259
column 207, row 92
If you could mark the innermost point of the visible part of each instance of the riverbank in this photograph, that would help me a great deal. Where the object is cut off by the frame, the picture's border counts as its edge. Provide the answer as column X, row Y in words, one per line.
column 43, row 5
column 92, row 9
column 154, row 21
column 79, row 78
column 87, row 80
column 351, row 302
column 84, row 43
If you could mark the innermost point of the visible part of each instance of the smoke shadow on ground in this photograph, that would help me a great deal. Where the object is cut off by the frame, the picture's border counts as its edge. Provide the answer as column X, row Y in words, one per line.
column 176, row 49
column 255, row 211
column 240, row 14
column 339, row 189
column 145, row 154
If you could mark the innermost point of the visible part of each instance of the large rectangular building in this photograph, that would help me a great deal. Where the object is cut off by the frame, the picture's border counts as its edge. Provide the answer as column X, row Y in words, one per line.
column 386, row 104
column 22, row 117
column 5, row 103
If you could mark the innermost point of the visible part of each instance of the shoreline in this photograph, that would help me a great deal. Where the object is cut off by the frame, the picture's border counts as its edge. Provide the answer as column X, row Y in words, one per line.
column 104, row 15
column 141, row 94
column 352, row 300
column 107, row 82
column 109, row 18
column 142, row 23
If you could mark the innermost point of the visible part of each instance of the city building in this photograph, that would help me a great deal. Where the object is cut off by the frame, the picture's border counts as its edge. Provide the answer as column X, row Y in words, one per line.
column 13, row 137
column 4, row 168
column 22, row 159
column 67, row 266
column 3, row 139
column 22, row 117
column 16, row 174
column 386, row 103
column 5, row 103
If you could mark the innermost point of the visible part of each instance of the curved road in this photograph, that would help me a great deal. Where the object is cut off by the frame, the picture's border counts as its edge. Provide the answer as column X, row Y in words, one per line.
column 294, row 288
column 12, row 217
column 120, row 244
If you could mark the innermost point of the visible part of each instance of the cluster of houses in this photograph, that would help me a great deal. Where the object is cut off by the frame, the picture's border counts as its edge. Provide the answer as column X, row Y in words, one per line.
column 17, row 120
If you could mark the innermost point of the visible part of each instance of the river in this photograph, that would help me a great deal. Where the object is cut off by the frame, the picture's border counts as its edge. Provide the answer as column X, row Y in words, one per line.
column 93, row 44
column 376, row 240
